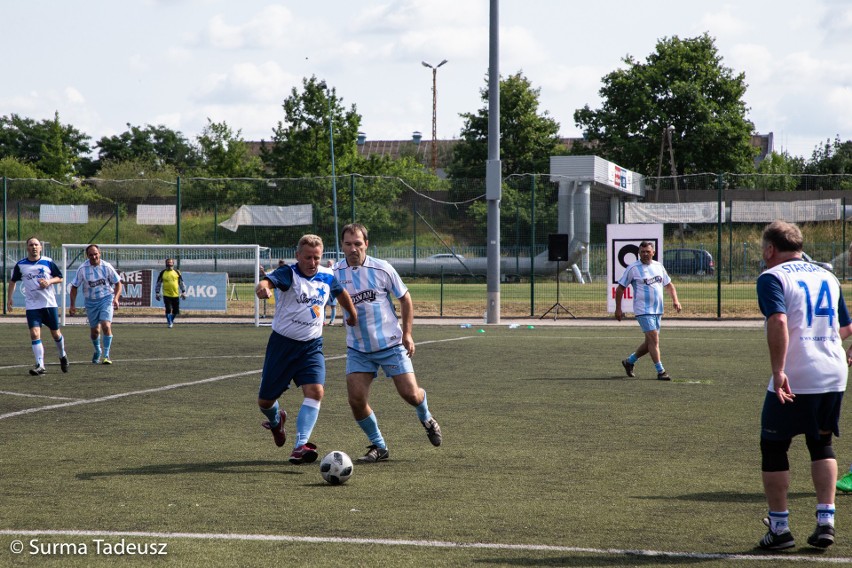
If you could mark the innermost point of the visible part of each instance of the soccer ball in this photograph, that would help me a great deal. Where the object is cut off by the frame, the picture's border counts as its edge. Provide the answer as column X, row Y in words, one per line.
column 336, row 467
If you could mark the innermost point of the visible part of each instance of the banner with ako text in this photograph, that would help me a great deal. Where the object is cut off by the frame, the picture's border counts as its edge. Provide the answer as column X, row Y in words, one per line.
column 205, row 291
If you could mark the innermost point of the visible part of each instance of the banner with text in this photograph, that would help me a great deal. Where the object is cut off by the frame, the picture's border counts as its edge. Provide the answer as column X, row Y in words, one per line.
column 622, row 250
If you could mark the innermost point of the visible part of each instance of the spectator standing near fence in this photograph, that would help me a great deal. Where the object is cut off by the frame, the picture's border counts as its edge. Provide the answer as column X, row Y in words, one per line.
column 170, row 283
column 101, row 291
column 806, row 321
column 37, row 275
column 380, row 341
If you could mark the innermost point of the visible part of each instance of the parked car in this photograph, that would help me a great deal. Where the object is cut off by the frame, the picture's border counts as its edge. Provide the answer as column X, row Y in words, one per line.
column 689, row 262
column 447, row 256
column 827, row 265
column 807, row 258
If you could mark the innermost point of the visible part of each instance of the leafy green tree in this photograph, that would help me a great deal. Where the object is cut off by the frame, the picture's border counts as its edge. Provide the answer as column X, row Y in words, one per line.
column 776, row 172
column 58, row 150
column 300, row 143
column 155, row 145
column 11, row 167
column 830, row 166
column 831, row 158
column 682, row 84
column 224, row 153
column 527, row 138
column 136, row 180
column 227, row 163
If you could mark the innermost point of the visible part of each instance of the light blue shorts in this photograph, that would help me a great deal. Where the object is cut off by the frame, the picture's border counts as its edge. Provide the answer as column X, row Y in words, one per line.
column 649, row 322
column 393, row 361
column 99, row 310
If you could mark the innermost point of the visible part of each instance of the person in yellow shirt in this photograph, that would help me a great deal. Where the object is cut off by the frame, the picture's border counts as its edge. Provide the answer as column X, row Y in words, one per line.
column 170, row 283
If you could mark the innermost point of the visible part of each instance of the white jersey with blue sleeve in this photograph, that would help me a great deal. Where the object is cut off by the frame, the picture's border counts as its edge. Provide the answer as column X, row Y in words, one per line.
column 372, row 287
column 300, row 306
column 28, row 273
column 812, row 300
column 648, row 281
column 97, row 282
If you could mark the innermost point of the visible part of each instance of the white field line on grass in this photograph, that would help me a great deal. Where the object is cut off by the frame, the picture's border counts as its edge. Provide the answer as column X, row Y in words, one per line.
column 78, row 402
column 777, row 558
column 29, row 395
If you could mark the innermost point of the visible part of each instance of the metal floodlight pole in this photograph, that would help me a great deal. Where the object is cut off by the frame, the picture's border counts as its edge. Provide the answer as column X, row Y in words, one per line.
column 434, row 111
column 493, row 168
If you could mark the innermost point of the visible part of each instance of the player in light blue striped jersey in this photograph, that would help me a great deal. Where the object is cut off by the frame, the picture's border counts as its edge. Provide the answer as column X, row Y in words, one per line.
column 101, row 291
column 380, row 340
column 648, row 279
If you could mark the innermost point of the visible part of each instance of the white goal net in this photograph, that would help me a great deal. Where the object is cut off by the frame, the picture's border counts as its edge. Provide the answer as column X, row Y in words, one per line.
column 220, row 279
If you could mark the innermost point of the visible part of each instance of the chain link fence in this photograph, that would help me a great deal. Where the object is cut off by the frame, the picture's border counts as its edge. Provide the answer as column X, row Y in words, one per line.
column 434, row 231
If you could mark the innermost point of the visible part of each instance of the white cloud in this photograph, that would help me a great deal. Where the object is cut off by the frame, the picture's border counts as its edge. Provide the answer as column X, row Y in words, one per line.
column 723, row 23
column 248, row 81
column 269, row 28
column 74, row 96
column 836, row 23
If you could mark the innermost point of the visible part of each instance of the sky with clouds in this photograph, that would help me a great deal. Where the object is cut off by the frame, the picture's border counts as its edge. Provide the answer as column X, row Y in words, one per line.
column 102, row 64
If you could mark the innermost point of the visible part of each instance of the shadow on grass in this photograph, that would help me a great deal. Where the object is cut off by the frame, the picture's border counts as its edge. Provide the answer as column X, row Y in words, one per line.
column 235, row 467
column 723, row 497
column 587, row 378
column 585, row 560
column 638, row 558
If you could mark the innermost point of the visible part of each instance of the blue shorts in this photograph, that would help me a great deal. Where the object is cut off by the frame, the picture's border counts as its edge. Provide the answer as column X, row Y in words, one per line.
column 289, row 360
column 43, row 316
column 649, row 322
column 807, row 414
column 393, row 361
column 99, row 310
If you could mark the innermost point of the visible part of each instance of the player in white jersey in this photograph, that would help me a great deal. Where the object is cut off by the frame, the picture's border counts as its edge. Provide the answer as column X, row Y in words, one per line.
column 380, row 340
column 806, row 322
column 648, row 278
column 101, row 291
column 37, row 275
column 294, row 351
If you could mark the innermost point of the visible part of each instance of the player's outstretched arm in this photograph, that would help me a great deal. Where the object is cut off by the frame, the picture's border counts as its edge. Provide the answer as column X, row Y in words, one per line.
column 345, row 301
column 264, row 290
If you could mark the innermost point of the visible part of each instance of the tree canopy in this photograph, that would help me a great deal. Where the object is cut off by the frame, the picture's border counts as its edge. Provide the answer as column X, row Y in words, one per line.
column 831, row 158
column 527, row 138
column 683, row 85
column 155, row 145
column 225, row 154
column 57, row 150
column 301, row 143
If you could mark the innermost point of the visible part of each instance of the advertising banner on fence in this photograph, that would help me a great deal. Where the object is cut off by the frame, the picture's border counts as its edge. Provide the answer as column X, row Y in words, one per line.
column 138, row 289
column 205, row 291
column 622, row 250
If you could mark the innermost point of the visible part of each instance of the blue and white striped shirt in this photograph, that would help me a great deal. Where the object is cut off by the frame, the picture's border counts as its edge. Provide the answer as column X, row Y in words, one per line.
column 371, row 287
column 648, row 281
column 98, row 282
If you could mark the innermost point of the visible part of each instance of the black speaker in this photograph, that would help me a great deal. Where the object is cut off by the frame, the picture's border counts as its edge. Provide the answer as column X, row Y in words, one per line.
column 557, row 247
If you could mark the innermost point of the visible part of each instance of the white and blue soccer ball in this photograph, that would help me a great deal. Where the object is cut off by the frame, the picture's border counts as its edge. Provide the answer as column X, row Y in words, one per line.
column 336, row 467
